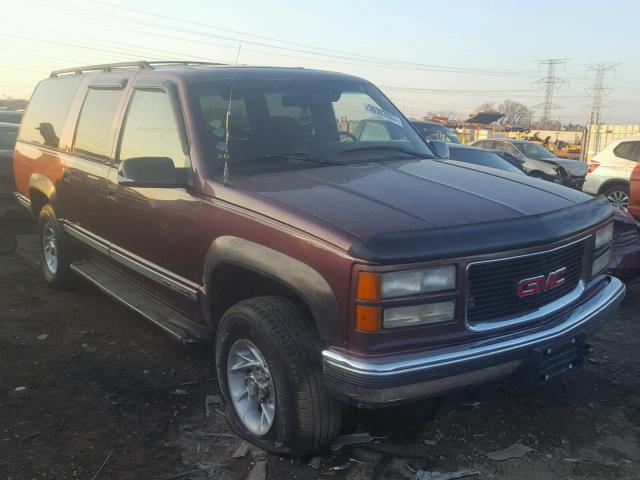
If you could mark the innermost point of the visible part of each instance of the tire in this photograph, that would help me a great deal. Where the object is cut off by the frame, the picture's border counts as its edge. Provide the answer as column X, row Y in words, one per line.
column 55, row 251
column 306, row 417
column 8, row 243
column 618, row 195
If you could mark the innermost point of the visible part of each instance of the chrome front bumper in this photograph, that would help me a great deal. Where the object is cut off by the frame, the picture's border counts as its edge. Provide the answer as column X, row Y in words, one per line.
column 383, row 380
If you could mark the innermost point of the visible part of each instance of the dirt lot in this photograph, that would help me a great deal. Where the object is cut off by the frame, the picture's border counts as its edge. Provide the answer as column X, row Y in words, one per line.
column 83, row 380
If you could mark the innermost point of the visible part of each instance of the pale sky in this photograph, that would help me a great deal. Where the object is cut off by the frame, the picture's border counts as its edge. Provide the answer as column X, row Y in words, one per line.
column 456, row 54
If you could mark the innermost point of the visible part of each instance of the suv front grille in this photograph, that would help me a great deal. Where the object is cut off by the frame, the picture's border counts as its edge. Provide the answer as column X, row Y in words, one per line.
column 493, row 286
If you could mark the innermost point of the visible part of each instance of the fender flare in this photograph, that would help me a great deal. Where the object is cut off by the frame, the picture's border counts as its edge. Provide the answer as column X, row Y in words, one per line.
column 613, row 181
column 290, row 272
column 44, row 185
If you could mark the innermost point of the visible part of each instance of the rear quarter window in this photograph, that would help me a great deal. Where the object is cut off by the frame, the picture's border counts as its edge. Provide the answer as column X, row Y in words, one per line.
column 48, row 110
column 628, row 151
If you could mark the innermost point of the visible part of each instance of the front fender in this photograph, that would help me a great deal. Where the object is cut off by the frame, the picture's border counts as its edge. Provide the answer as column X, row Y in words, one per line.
column 290, row 272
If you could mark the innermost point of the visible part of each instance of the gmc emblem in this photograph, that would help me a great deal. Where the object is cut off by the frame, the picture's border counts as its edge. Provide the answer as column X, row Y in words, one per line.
column 539, row 284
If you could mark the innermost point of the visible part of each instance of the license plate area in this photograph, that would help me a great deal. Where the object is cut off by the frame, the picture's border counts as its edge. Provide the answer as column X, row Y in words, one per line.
column 557, row 358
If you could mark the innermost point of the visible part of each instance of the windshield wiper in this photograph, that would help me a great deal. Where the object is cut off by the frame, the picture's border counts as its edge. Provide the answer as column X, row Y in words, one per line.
column 386, row 147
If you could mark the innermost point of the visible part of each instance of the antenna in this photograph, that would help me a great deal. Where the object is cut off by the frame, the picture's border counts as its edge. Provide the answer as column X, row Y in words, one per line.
column 225, row 156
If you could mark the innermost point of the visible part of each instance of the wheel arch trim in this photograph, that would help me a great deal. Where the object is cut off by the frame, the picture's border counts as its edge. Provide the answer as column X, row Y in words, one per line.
column 44, row 185
column 297, row 276
column 612, row 181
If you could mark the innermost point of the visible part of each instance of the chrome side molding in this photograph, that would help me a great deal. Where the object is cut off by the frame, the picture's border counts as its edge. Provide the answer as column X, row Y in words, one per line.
column 134, row 262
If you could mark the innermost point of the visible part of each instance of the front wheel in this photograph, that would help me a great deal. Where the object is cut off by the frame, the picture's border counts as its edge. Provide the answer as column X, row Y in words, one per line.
column 269, row 370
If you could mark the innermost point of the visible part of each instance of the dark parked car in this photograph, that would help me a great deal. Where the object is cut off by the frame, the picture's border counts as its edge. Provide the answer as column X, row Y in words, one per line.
column 11, row 216
column 435, row 131
column 10, row 116
column 8, row 135
column 480, row 156
column 320, row 268
column 539, row 162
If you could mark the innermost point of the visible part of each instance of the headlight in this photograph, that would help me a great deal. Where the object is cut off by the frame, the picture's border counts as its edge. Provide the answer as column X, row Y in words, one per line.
column 601, row 263
column 413, row 282
column 418, row 315
column 604, row 236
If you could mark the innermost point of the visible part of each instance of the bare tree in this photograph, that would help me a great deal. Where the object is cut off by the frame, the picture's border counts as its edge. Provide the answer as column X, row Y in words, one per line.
column 515, row 113
column 485, row 107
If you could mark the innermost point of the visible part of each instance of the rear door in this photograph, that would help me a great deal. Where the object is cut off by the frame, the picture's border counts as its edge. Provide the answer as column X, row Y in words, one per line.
column 154, row 230
column 83, row 187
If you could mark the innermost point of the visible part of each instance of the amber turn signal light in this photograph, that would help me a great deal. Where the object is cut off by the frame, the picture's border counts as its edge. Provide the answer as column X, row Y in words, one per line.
column 368, row 319
column 369, row 286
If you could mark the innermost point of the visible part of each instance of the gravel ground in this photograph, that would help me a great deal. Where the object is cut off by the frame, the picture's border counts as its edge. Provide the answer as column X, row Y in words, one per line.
column 90, row 390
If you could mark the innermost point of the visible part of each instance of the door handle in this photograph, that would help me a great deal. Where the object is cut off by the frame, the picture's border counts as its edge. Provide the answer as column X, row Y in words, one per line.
column 112, row 191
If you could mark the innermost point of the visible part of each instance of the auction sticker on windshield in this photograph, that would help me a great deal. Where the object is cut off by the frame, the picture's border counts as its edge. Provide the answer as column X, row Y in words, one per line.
column 382, row 113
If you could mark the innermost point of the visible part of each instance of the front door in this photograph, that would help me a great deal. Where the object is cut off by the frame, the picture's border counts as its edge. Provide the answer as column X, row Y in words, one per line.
column 154, row 230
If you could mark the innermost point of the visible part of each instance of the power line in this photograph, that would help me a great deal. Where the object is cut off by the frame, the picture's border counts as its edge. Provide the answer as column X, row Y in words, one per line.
column 550, row 83
column 296, row 47
column 597, row 92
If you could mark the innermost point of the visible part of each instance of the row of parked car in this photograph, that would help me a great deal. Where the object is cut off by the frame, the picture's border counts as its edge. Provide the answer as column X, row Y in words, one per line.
column 614, row 172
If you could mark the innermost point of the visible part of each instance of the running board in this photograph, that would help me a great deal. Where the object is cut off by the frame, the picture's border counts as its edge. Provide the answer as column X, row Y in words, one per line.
column 125, row 291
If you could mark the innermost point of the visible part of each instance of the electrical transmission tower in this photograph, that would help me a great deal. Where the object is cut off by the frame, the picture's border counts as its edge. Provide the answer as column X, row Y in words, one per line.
column 598, row 92
column 549, row 84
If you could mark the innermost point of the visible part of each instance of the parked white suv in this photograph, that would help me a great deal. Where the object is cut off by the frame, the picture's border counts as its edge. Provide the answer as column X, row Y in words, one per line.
column 609, row 171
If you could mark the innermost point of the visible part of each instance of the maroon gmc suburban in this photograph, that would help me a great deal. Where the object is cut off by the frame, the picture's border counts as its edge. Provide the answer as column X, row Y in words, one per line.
column 297, row 222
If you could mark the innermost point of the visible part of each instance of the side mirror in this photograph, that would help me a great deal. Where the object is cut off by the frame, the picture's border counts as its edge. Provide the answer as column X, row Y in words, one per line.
column 150, row 172
column 441, row 149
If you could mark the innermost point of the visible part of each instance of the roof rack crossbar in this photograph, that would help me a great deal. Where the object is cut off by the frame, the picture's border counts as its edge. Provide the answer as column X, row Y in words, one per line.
column 107, row 67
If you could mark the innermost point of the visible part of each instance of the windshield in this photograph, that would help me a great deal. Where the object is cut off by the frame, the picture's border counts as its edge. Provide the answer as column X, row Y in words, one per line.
column 437, row 132
column 534, row 150
column 481, row 157
column 285, row 124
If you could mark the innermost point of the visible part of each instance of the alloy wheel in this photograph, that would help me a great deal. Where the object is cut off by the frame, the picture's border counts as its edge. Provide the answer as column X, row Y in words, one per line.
column 619, row 199
column 251, row 387
column 50, row 248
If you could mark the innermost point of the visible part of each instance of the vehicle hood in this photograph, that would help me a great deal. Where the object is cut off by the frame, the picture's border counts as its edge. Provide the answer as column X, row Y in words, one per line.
column 369, row 199
column 573, row 167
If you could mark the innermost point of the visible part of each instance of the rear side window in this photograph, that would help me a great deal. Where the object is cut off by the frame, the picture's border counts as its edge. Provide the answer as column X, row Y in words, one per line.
column 47, row 112
column 94, row 133
column 151, row 129
column 507, row 147
column 628, row 150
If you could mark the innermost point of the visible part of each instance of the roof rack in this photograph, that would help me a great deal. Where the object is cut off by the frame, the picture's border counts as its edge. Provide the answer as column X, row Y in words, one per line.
column 107, row 67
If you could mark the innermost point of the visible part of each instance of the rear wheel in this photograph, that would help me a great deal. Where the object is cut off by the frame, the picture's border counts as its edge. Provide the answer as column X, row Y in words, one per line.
column 618, row 196
column 269, row 369
column 55, row 251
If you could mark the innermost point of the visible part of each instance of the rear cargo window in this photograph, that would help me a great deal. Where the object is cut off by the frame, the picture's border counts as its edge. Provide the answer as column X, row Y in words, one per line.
column 94, row 130
column 47, row 112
